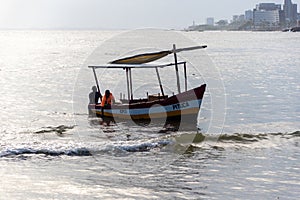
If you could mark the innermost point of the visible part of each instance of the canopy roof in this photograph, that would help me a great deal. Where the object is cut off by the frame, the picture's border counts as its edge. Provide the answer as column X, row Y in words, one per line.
column 141, row 58
column 124, row 66
column 149, row 57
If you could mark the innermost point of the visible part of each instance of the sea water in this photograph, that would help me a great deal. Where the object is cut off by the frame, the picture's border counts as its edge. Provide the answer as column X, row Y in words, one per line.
column 51, row 150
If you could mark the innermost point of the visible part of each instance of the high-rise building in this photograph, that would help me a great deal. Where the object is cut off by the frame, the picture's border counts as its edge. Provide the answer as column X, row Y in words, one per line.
column 248, row 15
column 266, row 17
column 268, row 14
column 290, row 11
column 210, row 21
column 268, row 6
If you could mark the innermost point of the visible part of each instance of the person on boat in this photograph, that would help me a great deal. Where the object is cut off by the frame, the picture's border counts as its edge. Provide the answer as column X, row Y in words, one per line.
column 94, row 96
column 108, row 99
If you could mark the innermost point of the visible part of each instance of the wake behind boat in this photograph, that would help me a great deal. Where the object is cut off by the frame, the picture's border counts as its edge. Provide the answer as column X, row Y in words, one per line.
column 179, row 108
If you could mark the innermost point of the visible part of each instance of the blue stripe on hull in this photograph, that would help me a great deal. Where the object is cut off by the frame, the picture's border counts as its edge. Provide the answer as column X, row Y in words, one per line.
column 156, row 109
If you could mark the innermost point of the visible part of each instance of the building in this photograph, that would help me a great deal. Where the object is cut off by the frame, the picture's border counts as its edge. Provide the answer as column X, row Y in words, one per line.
column 290, row 12
column 268, row 15
column 248, row 15
column 268, row 6
column 266, row 18
column 235, row 18
column 238, row 18
column 210, row 21
column 241, row 18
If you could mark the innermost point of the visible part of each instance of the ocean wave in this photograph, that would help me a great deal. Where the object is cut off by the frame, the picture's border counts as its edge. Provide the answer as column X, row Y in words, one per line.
column 92, row 148
column 59, row 130
column 246, row 138
column 242, row 137
column 47, row 152
column 143, row 147
column 294, row 134
column 83, row 149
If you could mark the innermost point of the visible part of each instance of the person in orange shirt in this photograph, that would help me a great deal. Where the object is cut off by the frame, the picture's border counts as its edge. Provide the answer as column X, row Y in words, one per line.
column 108, row 99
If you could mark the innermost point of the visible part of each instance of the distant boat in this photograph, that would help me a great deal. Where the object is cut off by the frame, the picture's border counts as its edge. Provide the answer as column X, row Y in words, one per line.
column 182, row 107
column 294, row 29
column 286, row 30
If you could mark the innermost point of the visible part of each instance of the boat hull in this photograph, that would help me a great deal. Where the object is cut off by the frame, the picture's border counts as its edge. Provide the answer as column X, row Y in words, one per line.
column 183, row 107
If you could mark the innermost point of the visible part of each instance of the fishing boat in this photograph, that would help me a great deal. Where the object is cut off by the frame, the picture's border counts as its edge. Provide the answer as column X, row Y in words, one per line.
column 182, row 107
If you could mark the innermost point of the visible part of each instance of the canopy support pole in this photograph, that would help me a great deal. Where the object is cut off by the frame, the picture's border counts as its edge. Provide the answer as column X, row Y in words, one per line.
column 185, row 76
column 128, row 89
column 159, row 81
column 130, row 82
column 96, row 79
column 176, row 68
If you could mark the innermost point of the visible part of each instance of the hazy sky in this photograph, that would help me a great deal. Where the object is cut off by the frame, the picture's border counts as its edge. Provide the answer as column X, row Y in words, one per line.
column 118, row 14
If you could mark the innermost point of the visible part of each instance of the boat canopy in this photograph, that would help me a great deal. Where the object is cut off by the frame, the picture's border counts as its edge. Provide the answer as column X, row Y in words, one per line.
column 149, row 57
column 142, row 58
column 124, row 66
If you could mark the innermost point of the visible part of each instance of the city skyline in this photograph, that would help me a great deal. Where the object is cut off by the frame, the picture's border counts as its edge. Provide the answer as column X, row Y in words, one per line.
column 118, row 14
column 281, row 13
